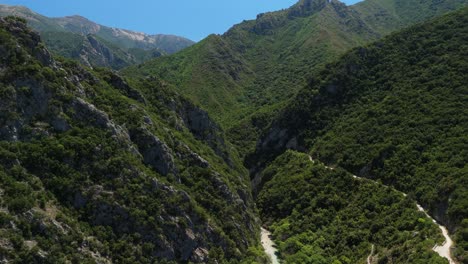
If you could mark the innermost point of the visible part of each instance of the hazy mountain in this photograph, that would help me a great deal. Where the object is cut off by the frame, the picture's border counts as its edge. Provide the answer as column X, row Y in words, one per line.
column 93, row 44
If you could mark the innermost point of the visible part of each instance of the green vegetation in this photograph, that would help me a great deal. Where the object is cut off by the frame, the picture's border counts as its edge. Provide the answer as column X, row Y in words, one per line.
column 394, row 111
column 99, row 168
column 257, row 65
column 319, row 215
column 94, row 169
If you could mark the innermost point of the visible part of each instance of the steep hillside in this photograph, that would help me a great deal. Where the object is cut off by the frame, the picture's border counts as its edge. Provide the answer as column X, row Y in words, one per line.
column 262, row 62
column 252, row 64
column 96, row 170
column 245, row 76
column 95, row 45
column 387, row 15
column 394, row 111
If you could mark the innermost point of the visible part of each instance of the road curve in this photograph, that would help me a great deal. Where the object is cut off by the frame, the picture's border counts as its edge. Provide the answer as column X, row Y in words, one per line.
column 269, row 246
column 443, row 250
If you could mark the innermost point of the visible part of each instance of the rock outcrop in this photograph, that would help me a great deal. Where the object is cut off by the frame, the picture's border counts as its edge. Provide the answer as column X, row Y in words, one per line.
column 155, row 152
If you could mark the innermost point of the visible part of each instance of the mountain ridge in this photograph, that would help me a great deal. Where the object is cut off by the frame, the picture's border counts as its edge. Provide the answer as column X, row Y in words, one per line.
column 278, row 54
column 109, row 47
column 284, row 46
column 184, row 158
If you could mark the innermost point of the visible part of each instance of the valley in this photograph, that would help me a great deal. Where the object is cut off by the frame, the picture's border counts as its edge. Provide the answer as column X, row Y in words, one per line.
column 321, row 133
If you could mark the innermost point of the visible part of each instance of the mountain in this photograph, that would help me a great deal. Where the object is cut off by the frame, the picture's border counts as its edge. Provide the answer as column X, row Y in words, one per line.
column 94, row 169
column 93, row 44
column 266, row 60
column 247, row 73
column 393, row 112
column 122, row 37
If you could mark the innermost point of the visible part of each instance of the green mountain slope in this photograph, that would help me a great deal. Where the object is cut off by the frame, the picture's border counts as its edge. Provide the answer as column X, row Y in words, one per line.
column 245, row 75
column 96, row 45
column 96, row 170
column 265, row 61
column 394, row 111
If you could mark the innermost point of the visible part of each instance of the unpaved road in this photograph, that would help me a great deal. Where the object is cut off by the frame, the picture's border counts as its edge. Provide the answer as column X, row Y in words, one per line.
column 269, row 246
column 369, row 258
column 443, row 250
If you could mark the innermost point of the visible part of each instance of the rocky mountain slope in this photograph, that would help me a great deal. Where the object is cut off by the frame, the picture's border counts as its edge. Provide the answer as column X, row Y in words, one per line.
column 96, row 45
column 98, row 170
column 393, row 111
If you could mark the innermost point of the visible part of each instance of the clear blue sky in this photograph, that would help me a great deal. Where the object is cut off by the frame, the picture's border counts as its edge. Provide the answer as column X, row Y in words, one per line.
column 194, row 19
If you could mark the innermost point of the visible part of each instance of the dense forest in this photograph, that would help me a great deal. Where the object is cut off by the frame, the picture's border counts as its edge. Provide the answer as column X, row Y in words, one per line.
column 321, row 216
column 393, row 111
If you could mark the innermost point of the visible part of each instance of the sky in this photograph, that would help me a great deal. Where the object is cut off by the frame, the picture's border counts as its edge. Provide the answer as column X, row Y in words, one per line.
column 194, row 19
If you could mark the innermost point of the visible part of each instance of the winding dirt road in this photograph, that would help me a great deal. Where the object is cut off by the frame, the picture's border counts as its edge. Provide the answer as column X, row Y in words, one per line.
column 369, row 258
column 443, row 250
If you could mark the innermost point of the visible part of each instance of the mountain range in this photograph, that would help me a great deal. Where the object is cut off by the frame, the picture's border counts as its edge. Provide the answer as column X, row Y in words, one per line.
column 97, row 45
column 340, row 130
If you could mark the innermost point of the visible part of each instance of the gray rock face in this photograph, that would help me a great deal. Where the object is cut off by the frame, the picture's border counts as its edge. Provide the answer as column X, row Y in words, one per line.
column 155, row 152
column 203, row 128
column 98, row 54
column 35, row 101
column 23, row 101
column 117, row 82
column 276, row 139
column 60, row 124
column 307, row 7
column 200, row 255
column 88, row 113
column 186, row 154
column 44, row 57
column 85, row 111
